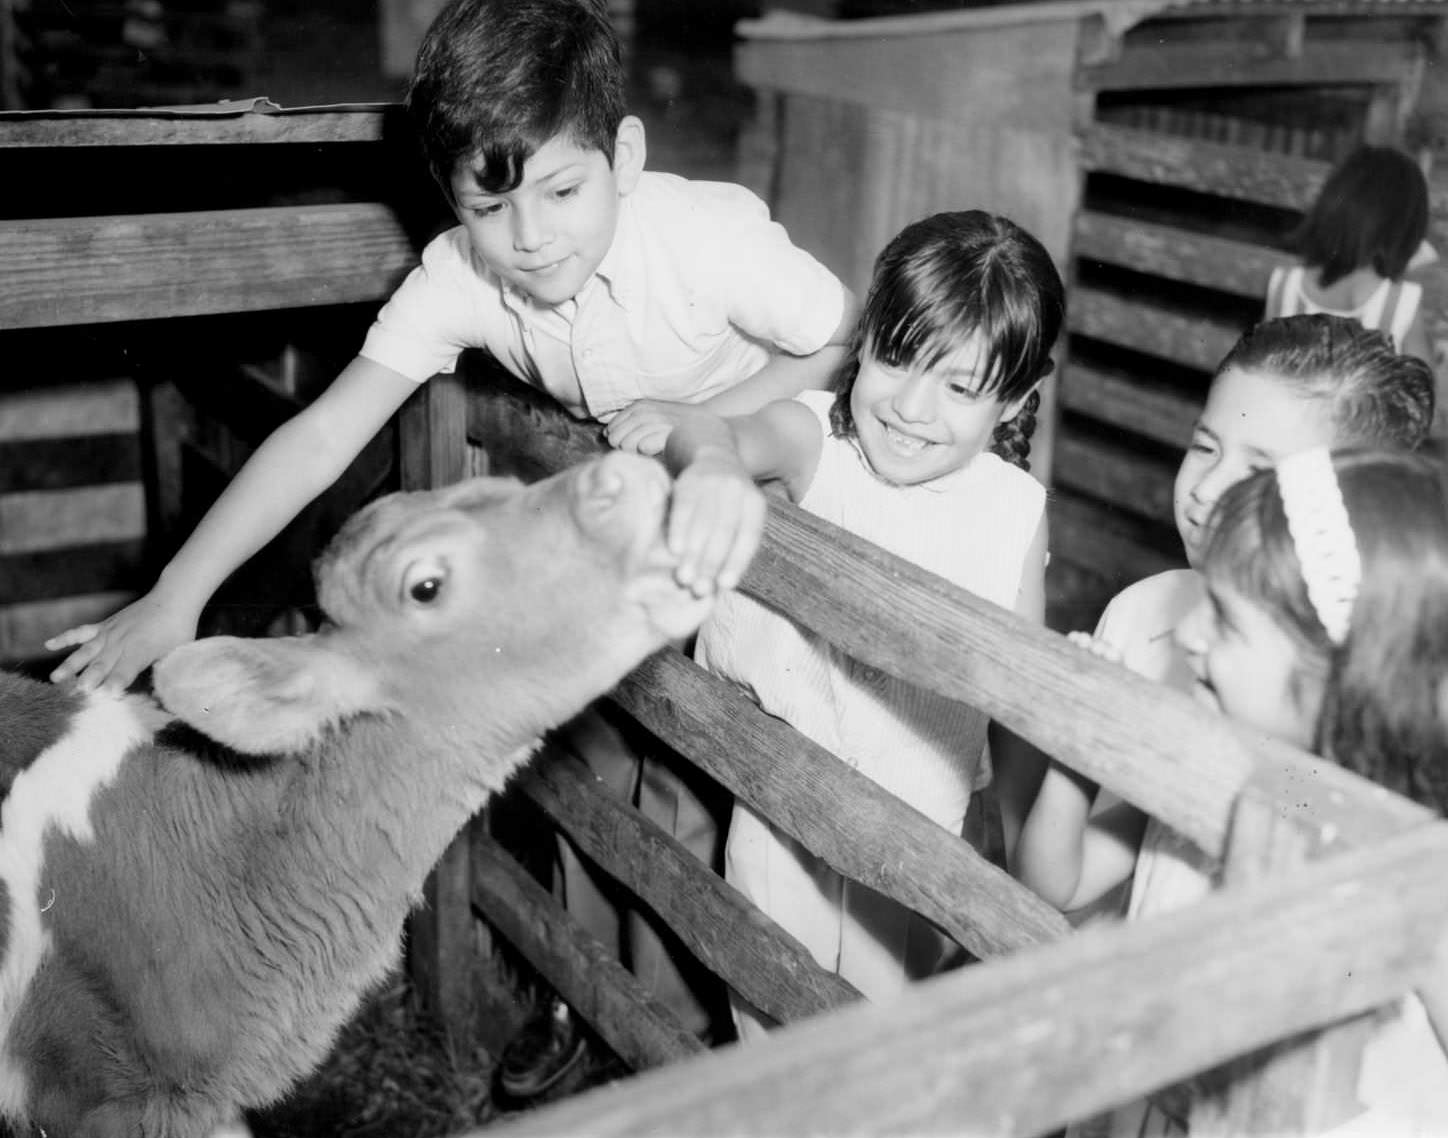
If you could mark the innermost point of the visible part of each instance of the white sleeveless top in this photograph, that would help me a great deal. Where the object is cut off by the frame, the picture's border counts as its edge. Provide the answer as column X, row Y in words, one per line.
column 1390, row 308
column 972, row 527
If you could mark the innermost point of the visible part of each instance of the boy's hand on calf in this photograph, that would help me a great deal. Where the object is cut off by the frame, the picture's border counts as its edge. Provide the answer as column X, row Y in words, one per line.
column 114, row 652
column 715, row 522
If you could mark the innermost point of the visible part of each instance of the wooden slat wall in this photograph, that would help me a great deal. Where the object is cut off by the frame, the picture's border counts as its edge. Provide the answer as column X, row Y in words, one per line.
column 1175, row 241
column 91, row 270
column 76, row 509
column 72, row 509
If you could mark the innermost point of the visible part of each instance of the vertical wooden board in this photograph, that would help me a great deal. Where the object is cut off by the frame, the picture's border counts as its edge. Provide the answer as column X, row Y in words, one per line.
column 821, row 196
column 1301, row 1086
column 452, row 962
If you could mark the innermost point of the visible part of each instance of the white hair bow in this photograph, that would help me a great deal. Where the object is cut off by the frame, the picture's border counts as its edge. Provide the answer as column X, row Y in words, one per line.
column 1322, row 537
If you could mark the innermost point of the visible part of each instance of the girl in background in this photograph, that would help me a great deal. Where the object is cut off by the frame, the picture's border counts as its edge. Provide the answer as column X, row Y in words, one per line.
column 922, row 450
column 1288, row 385
column 1325, row 624
column 1365, row 230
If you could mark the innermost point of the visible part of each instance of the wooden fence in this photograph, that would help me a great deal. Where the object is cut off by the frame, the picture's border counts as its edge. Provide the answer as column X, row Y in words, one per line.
column 1333, row 904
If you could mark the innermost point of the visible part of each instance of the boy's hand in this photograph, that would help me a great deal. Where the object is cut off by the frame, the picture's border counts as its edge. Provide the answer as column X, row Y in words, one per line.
column 715, row 523
column 644, row 427
column 114, row 652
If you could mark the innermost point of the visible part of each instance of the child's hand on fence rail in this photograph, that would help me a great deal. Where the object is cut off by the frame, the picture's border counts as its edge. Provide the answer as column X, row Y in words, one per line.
column 1096, row 646
column 114, row 652
column 644, row 427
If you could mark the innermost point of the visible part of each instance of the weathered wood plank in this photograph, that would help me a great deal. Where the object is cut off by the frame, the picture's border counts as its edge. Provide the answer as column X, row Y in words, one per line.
column 1136, row 323
column 751, row 953
column 1305, row 1086
column 1208, row 167
column 373, row 123
column 68, row 410
column 1167, row 66
column 55, row 519
column 1116, row 474
column 89, row 270
column 844, row 817
column 1178, row 254
column 453, row 965
column 641, row 1031
column 1121, row 399
column 1109, row 541
column 1023, row 1045
column 1155, row 747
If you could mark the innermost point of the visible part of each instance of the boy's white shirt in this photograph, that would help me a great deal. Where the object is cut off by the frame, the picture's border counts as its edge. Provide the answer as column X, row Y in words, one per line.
column 697, row 291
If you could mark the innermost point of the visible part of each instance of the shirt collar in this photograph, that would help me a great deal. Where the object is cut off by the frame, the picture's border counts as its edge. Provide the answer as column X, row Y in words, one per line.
column 622, row 267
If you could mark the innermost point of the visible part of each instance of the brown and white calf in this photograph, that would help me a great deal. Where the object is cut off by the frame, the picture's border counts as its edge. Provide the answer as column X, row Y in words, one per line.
column 196, row 891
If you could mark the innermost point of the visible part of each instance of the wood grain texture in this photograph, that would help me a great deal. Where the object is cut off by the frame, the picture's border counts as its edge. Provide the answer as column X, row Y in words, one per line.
column 1106, row 539
column 1134, row 322
column 1116, row 473
column 104, row 407
column 859, row 829
column 148, row 266
column 640, row 1030
column 1178, row 254
column 1219, row 168
column 1155, row 747
column 159, row 128
column 1120, row 399
column 1023, row 1045
column 36, row 520
column 1167, row 66
column 737, row 942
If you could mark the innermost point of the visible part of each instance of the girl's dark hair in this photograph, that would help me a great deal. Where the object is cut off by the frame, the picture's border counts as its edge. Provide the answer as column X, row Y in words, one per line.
column 943, row 279
column 1378, row 397
column 1385, row 707
column 496, row 79
column 1372, row 210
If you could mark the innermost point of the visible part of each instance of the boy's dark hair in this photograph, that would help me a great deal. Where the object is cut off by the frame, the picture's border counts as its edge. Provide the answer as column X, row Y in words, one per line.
column 496, row 79
column 941, row 280
column 1371, row 211
column 1378, row 397
column 1384, row 712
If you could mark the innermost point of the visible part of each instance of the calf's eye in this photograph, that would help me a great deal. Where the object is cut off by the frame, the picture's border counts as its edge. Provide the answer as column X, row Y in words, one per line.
column 426, row 591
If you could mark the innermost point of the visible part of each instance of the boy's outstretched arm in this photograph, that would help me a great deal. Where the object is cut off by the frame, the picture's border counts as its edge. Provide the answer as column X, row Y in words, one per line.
column 299, row 460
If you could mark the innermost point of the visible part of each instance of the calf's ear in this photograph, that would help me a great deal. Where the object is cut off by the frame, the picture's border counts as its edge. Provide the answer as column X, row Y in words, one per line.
column 262, row 697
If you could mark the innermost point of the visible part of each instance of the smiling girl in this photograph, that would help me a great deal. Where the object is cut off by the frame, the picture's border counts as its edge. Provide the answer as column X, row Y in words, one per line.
column 922, row 450
column 1288, row 385
column 1325, row 624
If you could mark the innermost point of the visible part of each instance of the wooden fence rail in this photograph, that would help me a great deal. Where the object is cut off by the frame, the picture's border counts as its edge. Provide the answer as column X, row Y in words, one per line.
column 1040, row 1033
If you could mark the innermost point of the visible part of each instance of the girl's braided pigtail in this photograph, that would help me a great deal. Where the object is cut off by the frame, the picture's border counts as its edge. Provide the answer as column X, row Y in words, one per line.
column 1012, row 439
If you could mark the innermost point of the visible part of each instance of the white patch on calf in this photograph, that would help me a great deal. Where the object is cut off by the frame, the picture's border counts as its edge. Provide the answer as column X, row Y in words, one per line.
column 55, row 791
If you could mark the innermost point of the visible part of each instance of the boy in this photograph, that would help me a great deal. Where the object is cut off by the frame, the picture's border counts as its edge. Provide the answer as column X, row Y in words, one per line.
column 577, row 270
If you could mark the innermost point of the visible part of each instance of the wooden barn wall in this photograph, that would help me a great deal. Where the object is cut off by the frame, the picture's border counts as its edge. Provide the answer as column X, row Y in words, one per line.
column 865, row 126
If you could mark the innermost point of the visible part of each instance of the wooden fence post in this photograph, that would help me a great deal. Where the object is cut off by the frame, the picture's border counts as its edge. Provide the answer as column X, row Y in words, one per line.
column 1300, row 1086
column 451, row 958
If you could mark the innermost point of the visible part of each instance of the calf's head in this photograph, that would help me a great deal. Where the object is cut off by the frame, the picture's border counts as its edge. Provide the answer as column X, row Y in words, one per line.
column 487, row 599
